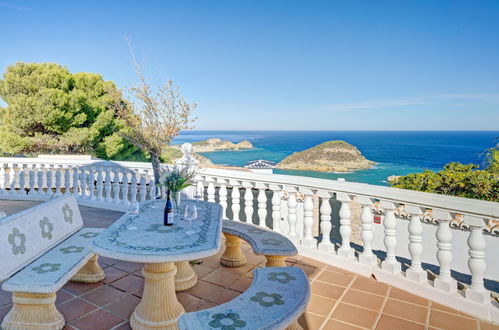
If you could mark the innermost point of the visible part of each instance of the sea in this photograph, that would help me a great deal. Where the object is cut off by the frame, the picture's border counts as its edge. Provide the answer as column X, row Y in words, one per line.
column 395, row 152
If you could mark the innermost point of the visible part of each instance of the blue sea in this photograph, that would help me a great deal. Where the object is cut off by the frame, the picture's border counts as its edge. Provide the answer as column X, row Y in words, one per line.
column 395, row 152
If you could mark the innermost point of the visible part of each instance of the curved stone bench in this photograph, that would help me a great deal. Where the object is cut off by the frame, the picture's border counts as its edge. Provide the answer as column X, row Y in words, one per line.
column 274, row 246
column 275, row 300
column 44, row 247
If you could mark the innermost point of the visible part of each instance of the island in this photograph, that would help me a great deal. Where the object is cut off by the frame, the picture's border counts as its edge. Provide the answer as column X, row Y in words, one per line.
column 330, row 156
column 216, row 144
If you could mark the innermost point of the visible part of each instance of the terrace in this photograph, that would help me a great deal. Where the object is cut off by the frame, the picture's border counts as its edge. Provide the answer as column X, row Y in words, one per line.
column 370, row 252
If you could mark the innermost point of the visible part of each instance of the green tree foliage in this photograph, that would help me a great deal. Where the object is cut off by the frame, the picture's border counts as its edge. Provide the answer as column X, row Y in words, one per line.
column 50, row 110
column 457, row 180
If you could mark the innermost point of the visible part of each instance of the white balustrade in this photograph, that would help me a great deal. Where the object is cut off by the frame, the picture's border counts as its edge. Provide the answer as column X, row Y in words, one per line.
column 292, row 204
column 345, row 249
column 390, row 264
column 116, row 187
column 211, row 190
column 100, row 184
column 248, row 202
column 276, row 208
column 476, row 242
column 83, row 184
column 22, row 179
column 133, row 189
column 57, row 183
column 222, row 194
column 308, row 220
column 235, row 197
column 107, row 185
column 262, row 206
column 325, row 224
column 444, row 281
column 415, row 272
column 143, row 188
column 366, row 217
column 67, row 181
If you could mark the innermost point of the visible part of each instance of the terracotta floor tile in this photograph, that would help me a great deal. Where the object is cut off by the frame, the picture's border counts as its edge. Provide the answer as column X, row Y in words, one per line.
column 98, row 320
column 63, row 296
column 387, row 322
column 247, row 267
column 405, row 310
column 189, row 302
column 443, row 308
column 107, row 261
column 123, row 326
column 370, row 285
column 335, row 278
column 113, row 274
column 104, row 295
column 255, row 259
column 128, row 266
column 354, row 315
column 294, row 259
column 327, row 290
column 77, row 288
column 224, row 296
column 202, row 270
column 311, row 263
column 449, row 321
column 320, row 305
column 363, row 299
column 129, row 283
column 221, row 277
column 138, row 273
column 204, row 290
column 125, row 306
column 488, row 326
column 338, row 325
column 338, row 270
column 311, row 321
column 5, row 297
column 75, row 308
column 206, row 305
column 404, row 295
column 310, row 271
column 241, row 284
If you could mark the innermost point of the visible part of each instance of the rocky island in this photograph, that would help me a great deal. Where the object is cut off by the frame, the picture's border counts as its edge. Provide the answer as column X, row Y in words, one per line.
column 215, row 144
column 330, row 156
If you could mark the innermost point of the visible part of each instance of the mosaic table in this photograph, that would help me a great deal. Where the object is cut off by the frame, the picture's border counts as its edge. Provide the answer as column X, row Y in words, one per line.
column 143, row 238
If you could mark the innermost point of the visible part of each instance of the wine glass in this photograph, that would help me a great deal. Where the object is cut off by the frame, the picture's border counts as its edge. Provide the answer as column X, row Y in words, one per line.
column 133, row 208
column 190, row 213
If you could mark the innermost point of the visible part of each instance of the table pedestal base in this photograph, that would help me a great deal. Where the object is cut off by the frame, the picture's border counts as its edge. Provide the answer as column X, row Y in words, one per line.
column 185, row 278
column 159, row 307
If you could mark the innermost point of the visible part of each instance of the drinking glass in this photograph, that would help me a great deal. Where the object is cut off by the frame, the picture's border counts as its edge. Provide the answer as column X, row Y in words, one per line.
column 190, row 213
column 133, row 208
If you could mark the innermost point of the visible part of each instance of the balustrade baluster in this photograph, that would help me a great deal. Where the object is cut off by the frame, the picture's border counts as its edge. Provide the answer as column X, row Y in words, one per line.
column 124, row 189
column 276, row 208
column 100, row 183
column 235, row 200
column 308, row 220
column 16, row 179
column 116, row 187
column 83, row 184
column 49, row 181
column 366, row 217
column 292, row 204
column 211, row 191
column 133, row 190
column 22, row 182
column 325, row 224
column 476, row 263
column 415, row 272
column 143, row 188
column 262, row 205
column 31, row 182
column 390, row 264
column 107, row 185
column 91, row 183
column 2, row 179
column 67, row 181
column 12, row 177
column 444, row 253
column 345, row 249
column 200, row 189
column 248, row 202
column 152, row 189
column 222, row 194
column 76, row 177
column 39, row 177
column 58, row 182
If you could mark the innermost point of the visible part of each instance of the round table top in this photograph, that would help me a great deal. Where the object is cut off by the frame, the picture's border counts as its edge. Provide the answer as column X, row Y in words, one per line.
column 143, row 237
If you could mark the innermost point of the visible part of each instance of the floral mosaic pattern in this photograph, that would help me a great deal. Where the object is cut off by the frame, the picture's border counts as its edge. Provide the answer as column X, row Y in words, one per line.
column 226, row 321
column 17, row 240
column 281, row 277
column 68, row 213
column 159, row 228
column 72, row 249
column 89, row 235
column 267, row 299
column 271, row 241
column 47, row 267
column 46, row 227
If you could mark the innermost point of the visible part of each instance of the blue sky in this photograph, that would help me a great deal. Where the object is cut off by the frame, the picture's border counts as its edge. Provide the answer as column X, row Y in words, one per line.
column 325, row 65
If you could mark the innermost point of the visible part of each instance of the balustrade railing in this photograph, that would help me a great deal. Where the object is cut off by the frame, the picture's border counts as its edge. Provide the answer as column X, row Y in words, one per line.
column 442, row 247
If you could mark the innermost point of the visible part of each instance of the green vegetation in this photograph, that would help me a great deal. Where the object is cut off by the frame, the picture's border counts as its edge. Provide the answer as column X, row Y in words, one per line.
column 50, row 110
column 458, row 180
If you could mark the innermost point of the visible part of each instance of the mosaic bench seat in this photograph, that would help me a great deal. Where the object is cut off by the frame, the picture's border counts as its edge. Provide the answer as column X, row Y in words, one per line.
column 41, row 249
column 274, row 246
column 275, row 300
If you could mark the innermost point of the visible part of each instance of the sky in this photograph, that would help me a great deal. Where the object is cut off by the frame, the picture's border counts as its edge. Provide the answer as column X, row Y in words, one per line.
column 282, row 65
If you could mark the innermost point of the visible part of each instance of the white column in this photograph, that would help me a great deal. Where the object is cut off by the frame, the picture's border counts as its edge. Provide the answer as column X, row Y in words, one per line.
column 390, row 264
column 22, row 182
column 133, row 189
column 308, row 239
column 222, row 194
column 16, row 179
column 107, row 185
column 236, row 200
column 276, row 208
column 292, row 204
column 83, row 184
column 116, row 186
column 211, row 191
column 76, row 177
column 325, row 226
column 152, row 189
column 143, row 188
column 124, row 189
column 415, row 272
column 100, row 184
column 39, row 181
column 262, row 205
column 476, row 242
column 48, row 173
column 67, row 181
column 32, row 182
column 366, row 217
column 248, row 202
column 444, row 253
column 2, row 178
column 345, row 249
column 91, row 183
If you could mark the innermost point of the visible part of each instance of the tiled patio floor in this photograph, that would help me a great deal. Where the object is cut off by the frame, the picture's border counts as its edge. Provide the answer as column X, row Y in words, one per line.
column 340, row 299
